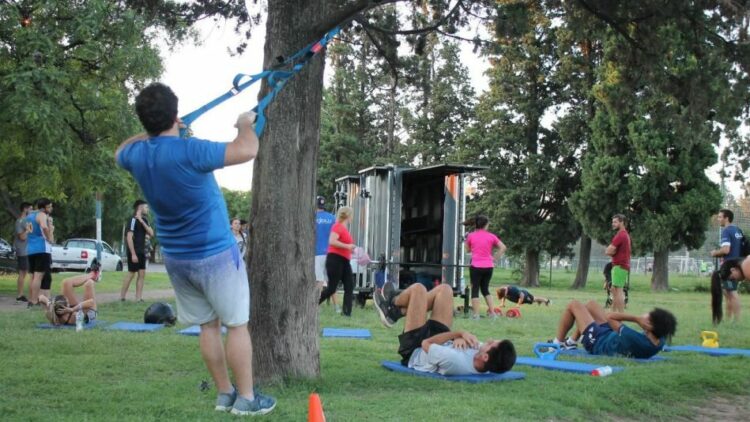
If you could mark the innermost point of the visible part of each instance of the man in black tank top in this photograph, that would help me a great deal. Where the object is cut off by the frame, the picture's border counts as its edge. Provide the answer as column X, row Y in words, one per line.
column 135, row 239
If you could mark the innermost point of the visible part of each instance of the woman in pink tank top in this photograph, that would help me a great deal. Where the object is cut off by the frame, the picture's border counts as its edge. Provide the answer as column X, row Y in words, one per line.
column 484, row 247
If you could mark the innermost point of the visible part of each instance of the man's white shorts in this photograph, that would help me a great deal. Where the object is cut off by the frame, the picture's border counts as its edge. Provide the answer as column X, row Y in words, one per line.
column 211, row 288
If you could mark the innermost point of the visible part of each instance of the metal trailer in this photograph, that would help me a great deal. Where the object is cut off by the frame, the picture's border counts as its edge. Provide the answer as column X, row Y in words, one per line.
column 409, row 221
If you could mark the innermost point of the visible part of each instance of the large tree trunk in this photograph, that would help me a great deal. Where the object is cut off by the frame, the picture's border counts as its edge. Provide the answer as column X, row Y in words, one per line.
column 660, row 274
column 584, row 258
column 284, row 306
column 531, row 272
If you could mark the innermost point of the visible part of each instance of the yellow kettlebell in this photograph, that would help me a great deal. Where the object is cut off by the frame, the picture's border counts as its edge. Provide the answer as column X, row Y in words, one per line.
column 710, row 339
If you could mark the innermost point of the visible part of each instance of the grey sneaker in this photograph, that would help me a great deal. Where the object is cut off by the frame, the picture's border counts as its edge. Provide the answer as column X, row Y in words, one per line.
column 388, row 312
column 224, row 401
column 260, row 406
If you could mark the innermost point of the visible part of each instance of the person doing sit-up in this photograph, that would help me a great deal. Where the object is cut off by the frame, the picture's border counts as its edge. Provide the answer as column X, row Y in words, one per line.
column 430, row 345
column 605, row 334
column 518, row 296
column 62, row 309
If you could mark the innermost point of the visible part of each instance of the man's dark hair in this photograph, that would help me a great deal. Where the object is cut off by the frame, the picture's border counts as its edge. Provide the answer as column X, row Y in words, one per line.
column 728, row 214
column 620, row 217
column 501, row 357
column 156, row 106
column 42, row 203
column 138, row 203
column 320, row 201
column 23, row 206
column 663, row 323
column 481, row 221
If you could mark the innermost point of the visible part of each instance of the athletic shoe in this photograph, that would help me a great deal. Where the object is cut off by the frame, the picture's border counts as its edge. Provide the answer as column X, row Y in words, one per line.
column 568, row 344
column 260, row 406
column 382, row 306
column 224, row 401
column 21, row 299
column 388, row 312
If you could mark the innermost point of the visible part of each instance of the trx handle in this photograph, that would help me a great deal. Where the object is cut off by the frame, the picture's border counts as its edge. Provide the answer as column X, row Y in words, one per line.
column 276, row 79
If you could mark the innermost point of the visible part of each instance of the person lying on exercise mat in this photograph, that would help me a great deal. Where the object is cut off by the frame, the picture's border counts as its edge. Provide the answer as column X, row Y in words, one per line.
column 62, row 309
column 430, row 345
column 605, row 334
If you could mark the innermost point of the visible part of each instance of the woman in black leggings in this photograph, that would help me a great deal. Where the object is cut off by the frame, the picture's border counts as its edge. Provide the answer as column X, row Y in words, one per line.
column 484, row 247
column 338, row 268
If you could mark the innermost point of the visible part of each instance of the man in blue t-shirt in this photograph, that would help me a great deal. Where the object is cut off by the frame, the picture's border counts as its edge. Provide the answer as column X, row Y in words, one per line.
column 730, row 248
column 323, row 222
column 605, row 334
column 200, row 253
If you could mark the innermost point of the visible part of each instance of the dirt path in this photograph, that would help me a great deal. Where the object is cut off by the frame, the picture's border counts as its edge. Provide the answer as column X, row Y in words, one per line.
column 8, row 303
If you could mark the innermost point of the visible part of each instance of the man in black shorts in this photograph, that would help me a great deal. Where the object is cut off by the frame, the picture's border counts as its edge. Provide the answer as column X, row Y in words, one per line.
column 430, row 345
column 22, row 230
column 135, row 236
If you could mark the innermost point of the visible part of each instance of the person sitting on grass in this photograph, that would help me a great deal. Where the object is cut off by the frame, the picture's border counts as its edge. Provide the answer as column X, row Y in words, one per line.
column 430, row 345
column 62, row 309
column 605, row 334
column 518, row 296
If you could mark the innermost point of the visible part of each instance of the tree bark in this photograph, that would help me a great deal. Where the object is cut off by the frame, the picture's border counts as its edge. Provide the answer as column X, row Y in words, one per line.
column 531, row 272
column 284, row 299
column 660, row 274
column 584, row 259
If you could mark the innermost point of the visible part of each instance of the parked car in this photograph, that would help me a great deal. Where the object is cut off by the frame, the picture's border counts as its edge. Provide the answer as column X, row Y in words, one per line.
column 7, row 256
column 77, row 254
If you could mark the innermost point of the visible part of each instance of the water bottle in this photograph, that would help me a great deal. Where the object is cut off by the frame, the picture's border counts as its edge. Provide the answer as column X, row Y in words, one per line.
column 602, row 371
column 79, row 320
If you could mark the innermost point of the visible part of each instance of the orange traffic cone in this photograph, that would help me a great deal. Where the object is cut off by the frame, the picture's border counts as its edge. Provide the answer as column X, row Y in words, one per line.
column 315, row 409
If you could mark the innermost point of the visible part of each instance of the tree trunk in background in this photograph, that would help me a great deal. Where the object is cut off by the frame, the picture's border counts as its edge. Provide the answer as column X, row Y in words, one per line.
column 284, row 306
column 531, row 272
column 584, row 259
column 660, row 274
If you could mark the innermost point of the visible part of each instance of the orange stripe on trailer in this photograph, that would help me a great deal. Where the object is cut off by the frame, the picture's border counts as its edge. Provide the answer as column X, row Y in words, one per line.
column 451, row 185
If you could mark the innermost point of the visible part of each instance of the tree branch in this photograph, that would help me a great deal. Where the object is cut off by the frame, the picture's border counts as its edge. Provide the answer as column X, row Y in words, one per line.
column 609, row 21
column 414, row 31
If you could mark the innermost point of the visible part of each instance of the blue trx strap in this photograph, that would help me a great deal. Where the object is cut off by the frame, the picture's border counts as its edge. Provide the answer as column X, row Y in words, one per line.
column 276, row 80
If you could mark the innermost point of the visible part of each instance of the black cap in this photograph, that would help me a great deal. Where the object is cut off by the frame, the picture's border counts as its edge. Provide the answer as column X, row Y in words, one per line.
column 320, row 201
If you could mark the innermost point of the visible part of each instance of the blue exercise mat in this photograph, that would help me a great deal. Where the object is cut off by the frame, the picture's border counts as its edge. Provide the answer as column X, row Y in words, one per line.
column 561, row 365
column 582, row 353
column 360, row 333
column 713, row 351
column 138, row 327
column 91, row 324
column 474, row 379
column 195, row 330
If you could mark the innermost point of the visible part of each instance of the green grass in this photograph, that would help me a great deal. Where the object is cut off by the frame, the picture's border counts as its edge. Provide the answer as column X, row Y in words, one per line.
column 100, row 375
column 110, row 282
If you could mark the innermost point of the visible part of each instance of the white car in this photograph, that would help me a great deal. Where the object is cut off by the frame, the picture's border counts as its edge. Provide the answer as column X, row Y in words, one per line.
column 77, row 254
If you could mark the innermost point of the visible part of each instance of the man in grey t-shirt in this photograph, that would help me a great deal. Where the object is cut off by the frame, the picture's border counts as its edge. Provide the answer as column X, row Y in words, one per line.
column 430, row 345
column 20, row 234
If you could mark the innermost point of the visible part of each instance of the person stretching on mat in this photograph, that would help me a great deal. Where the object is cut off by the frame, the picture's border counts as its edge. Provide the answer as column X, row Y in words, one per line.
column 430, row 345
column 62, row 309
column 605, row 334
column 518, row 296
